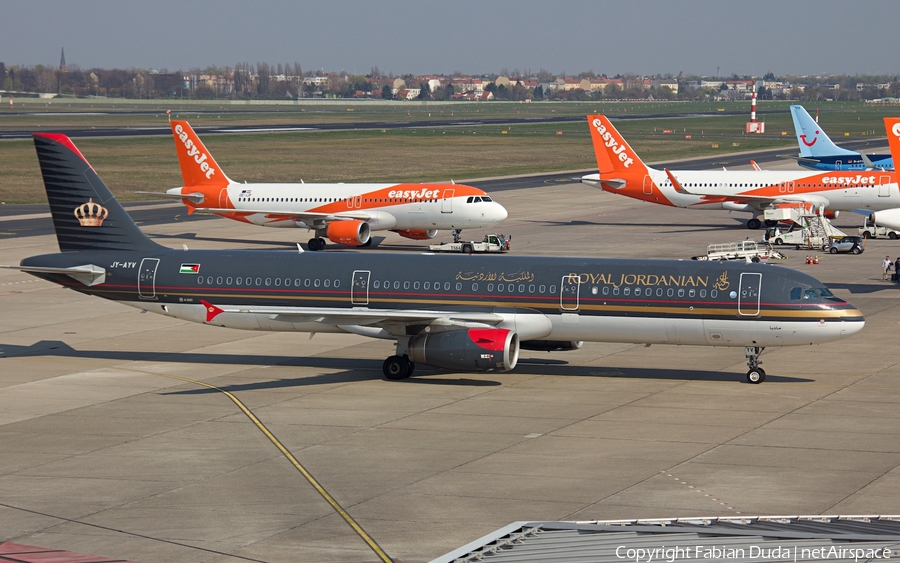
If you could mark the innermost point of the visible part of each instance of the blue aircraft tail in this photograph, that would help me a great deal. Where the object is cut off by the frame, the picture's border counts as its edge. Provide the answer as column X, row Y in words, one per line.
column 86, row 216
column 812, row 139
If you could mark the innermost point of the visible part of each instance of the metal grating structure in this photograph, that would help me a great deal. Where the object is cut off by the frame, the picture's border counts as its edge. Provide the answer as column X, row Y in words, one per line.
column 688, row 540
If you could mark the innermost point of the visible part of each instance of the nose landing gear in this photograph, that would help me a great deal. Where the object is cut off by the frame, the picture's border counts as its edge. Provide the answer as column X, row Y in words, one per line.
column 756, row 374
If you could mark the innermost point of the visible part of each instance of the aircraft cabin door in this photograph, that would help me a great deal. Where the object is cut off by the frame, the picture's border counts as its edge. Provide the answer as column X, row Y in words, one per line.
column 569, row 290
column 359, row 289
column 884, row 186
column 223, row 198
column 838, row 165
column 648, row 185
column 447, row 201
column 147, row 278
column 748, row 295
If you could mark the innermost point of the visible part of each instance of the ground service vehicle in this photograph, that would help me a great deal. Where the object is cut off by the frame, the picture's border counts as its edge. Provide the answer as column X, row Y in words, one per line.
column 851, row 244
column 491, row 243
column 871, row 230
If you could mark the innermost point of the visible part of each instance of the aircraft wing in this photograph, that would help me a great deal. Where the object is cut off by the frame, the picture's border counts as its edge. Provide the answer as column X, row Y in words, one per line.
column 757, row 200
column 389, row 319
column 299, row 216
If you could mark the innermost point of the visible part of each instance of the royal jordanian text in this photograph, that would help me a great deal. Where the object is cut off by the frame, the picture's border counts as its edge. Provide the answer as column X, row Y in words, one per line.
column 638, row 279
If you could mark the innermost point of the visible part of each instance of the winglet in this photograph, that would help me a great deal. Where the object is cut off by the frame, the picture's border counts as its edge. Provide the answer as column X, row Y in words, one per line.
column 754, row 165
column 211, row 310
column 676, row 184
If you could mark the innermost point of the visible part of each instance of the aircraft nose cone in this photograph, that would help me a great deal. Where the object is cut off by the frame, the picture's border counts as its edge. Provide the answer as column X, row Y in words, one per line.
column 500, row 212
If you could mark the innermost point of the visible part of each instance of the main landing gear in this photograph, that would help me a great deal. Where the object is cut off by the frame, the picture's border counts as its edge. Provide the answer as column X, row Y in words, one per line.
column 756, row 373
column 316, row 243
column 753, row 223
column 398, row 367
column 456, row 234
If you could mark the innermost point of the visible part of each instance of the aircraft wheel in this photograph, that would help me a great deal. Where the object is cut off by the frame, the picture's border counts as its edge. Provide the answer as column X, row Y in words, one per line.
column 321, row 243
column 410, row 364
column 756, row 376
column 396, row 367
column 753, row 223
column 771, row 222
column 778, row 241
column 313, row 244
column 833, row 250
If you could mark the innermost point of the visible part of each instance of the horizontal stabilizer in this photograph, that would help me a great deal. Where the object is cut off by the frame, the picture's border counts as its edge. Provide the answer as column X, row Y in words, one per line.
column 89, row 274
column 196, row 197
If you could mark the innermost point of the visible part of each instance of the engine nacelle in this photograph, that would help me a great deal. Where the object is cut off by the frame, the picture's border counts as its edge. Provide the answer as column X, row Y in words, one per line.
column 832, row 214
column 351, row 233
column 551, row 345
column 889, row 218
column 473, row 349
column 417, row 234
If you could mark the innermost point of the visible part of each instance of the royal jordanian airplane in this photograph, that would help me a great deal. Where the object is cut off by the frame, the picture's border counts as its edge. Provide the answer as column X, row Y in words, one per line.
column 623, row 172
column 818, row 152
column 341, row 213
column 462, row 313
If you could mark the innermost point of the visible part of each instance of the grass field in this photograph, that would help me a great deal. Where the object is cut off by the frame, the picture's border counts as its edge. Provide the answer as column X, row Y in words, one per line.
column 428, row 154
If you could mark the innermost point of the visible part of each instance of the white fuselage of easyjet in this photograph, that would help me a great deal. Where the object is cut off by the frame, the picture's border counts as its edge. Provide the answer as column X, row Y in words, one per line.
column 382, row 206
column 865, row 190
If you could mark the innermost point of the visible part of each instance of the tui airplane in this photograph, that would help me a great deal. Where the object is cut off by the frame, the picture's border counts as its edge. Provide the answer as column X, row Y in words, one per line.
column 463, row 313
column 818, row 151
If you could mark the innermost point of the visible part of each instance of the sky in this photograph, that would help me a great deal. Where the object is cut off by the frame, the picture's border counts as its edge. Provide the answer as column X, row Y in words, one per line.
column 642, row 37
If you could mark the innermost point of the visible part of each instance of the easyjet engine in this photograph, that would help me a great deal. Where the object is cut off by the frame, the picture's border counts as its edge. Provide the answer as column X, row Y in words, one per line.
column 417, row 234
column 351, row 233
column 473, row 349
column 832, row 214
column 889, row 218
column 551, row 345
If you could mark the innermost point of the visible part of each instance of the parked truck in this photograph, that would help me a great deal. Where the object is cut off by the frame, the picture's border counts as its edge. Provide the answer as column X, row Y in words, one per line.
column 491, row 243
column 874, row 231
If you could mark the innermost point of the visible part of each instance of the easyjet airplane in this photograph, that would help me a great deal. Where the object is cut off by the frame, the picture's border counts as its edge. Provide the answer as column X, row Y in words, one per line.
column 341, row 213
column 621, row 171
column 890, row 218
column 460, row 312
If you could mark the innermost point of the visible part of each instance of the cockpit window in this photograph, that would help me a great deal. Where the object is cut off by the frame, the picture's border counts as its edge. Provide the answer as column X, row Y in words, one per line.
column 469, row 200
column 486, row 198
column 477, row 200
column 798, row 293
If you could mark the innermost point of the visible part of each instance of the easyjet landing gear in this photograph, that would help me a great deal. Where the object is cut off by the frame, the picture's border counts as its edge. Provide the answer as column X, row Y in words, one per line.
column 398, row 367
column 316, row 243
column 456, row 234
column 756, row 373
column 753, row 223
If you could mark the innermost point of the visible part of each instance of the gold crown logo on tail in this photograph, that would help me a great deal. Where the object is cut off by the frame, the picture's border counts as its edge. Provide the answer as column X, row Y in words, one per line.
column 91, row 214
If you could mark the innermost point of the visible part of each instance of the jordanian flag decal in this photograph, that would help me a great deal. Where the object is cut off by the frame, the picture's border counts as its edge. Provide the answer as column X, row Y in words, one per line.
column 190, row 269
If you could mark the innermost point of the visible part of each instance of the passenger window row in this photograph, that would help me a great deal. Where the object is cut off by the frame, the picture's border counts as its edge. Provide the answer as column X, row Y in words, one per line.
column 250, row 281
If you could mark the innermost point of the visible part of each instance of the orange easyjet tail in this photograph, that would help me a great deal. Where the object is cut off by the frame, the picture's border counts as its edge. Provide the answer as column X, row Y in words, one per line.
column 892, row 125
column 198, row 168
column 614, row 155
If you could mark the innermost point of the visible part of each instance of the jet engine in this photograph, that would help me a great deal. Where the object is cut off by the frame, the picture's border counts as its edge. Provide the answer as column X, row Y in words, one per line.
column 551, row 345
column 473, row 349
column 832, row 214
column 351, row 233
column 417, row 234
column 889, row 218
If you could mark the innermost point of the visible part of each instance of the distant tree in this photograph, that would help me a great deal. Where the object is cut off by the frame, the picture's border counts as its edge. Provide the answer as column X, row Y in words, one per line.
column 538, row 92
column 612, row 91
column 424, row 91
column 263, row 73
column 386, row 93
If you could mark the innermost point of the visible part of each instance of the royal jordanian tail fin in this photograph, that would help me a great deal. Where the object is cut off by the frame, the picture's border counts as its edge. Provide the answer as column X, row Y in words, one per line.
column 614, row 155
column 86, row 216
column 812, row 139
column 198, row 167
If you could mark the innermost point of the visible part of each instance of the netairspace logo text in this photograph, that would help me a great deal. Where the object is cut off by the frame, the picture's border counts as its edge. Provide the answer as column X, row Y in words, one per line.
column 752, row 553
